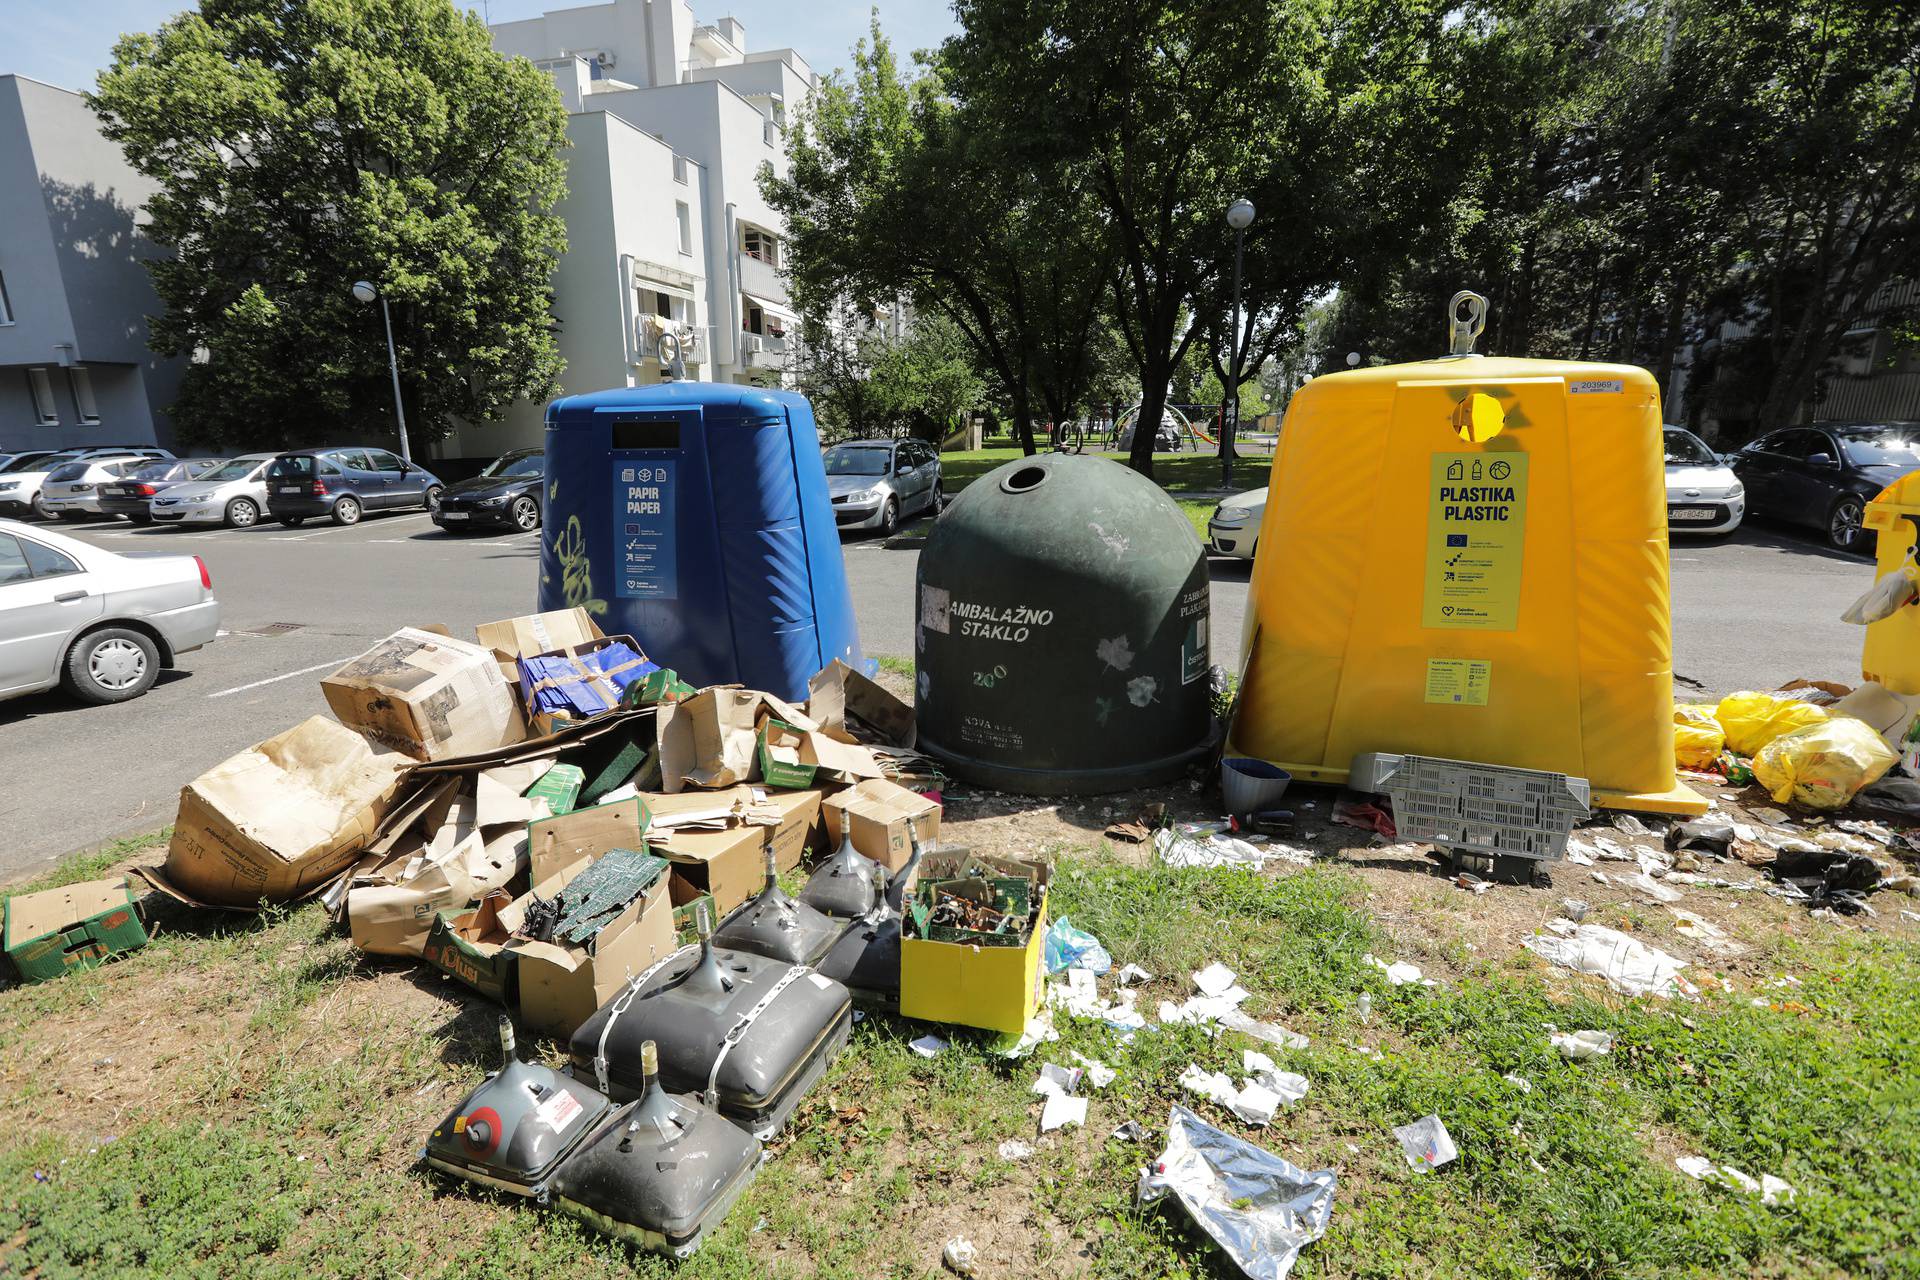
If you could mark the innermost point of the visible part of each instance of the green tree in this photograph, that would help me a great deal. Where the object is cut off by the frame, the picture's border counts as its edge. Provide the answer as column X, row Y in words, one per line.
column 301, row 147
column 1319, row 111
column 896, row 188
column 866, row 381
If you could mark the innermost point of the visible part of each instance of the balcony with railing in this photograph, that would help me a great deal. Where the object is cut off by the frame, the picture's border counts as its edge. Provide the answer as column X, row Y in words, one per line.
column 763, row 350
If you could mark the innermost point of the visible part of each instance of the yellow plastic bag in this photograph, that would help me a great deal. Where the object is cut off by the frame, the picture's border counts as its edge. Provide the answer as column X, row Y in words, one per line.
column 1822, row 767
column 1752, row 720
column 1697, row 736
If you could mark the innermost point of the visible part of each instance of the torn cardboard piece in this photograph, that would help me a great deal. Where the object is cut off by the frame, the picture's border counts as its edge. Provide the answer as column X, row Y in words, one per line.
column 708, row 740
column 279, row 820
column 796, row 758
column 472, row 947
column 75, row 926
column 729, row 862
column 428, row 696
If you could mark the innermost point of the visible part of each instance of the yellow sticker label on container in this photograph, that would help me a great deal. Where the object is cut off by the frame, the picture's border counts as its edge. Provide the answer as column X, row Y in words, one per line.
column 1459, row 680
column 1476, row 532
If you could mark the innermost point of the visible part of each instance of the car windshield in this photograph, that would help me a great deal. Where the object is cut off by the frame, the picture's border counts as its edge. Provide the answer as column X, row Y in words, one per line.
column 153, row 471
column 858, row 460
column 516, row 464
column 1881, row 448
column 40, row 463
column 292, row 464
column 238, row 469
column 68, row 471
column 1688, row 450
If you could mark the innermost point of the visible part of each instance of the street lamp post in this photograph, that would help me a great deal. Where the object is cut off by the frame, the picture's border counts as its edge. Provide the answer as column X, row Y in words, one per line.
column 1239, row 217
column 365, row 292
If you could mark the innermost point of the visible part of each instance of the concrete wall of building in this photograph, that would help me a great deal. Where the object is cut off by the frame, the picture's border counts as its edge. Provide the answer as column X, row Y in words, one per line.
column 647, row 38
column 29, row 260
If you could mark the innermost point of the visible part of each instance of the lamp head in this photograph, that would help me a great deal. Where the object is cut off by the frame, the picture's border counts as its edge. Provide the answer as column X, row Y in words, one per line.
column 1240, row 214
column 364, row 291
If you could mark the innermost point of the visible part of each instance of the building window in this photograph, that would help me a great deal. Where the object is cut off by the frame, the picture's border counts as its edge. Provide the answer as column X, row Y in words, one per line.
column 83, row 401
column 6, row 304
column 755, row 318
column 685, row 216
column 680, row 170
column 756, row 243
column 41, row 387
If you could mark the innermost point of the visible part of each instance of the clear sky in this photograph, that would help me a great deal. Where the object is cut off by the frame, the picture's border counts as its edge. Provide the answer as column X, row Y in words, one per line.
column 67, row 42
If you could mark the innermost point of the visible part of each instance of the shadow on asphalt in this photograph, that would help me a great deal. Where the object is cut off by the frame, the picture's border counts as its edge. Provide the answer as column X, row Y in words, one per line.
column 1771, row 535
column 53, row 702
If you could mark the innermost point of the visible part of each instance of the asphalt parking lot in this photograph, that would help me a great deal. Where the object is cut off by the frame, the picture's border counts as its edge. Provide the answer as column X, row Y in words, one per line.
column 1756, row 609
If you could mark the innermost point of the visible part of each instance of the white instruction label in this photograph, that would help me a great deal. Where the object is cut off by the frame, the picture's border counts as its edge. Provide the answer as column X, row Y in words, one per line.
column 559, row 1111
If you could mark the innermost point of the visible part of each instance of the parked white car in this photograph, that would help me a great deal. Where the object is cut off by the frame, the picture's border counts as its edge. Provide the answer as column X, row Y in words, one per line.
column 102, row 625
column 71, row 490
column 234, row 493
column 21, row 480
column 1234, row 528
column 1703, row 493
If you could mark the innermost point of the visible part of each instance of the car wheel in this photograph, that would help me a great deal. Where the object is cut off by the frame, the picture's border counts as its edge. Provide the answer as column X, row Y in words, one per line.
column 1844, row 529
column 890, row 518
column 141, row 519
column 243, row 513
column 293, row 522
column 433, row 497
column 347, row 510
column 939, row 502
column 525, row 514
column 40, row 511
column 112, row 665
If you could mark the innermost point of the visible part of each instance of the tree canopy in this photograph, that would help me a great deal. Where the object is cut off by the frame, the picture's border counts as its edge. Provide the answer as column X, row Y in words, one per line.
column 299, row 148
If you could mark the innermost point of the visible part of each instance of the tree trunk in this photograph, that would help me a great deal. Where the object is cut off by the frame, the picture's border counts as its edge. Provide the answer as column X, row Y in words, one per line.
column 1153, row 403
column 1023, row 419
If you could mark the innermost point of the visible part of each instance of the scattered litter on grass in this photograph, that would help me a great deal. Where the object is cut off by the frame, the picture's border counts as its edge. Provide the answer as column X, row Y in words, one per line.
column 1773, row 1191
column 1573, row 909
column 960, row 1256
column 1426, row 1144
column 1180, row 849
column 1271, row 1033
column 1259, row 1208
column 1131, row 1131
column 1039, row 1031
column 1629, row 965
column 1399, row 973
column 1518, row 1082
column 1014, row 1149
column 1061, row 1111
column 1214, row 980
column 1070, row 948
column 1098, row 1074
column 1132, row 975
column 929, row 1046
column 1579, row 1046
column 1056, row 1081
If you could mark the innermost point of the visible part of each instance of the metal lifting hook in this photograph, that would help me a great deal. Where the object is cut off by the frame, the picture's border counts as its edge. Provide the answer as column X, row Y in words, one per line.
column 1461, row 333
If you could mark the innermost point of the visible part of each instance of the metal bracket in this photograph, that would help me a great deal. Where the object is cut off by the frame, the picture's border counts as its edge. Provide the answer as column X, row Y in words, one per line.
column 739, row 1029
column 1461, row 333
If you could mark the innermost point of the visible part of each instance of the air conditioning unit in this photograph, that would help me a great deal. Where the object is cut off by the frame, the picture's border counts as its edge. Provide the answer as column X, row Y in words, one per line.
column 752, row 344
column 604, row 60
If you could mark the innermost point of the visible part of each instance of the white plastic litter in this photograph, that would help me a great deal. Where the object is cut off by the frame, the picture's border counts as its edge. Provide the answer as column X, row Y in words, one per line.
column 1061, row 1111
column 929, row 1046
column 1773, row 1191
column 1131, row 1131
column 1365, row 1006
column 1270, row 1032
column 1260, row 1209
column 1214, row 979
column 1255, row 1104
column 1039, row 1031
column 1518, row 1082
column 1399, row 973
column 1646, row 884
column 1215, row 1086
column 960, row 1255
column 1579, row 1046
column 1014, row 1149
column 1056, row 1081
column 1260, row 1069
column 1132, row 975
column 1427, row 1144
column 1098, row 1074
column 1629, row 965
column 1177, row 849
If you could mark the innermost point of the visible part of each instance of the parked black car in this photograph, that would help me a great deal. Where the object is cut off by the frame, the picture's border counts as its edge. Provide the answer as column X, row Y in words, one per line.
column 507, row 492
column 129, row 496
column 345, row 483
column 1824, row 475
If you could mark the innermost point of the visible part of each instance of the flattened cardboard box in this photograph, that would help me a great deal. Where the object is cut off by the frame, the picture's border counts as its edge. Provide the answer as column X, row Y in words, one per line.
column 511, row 639
column 730, row 865
column 55, row 931
column 429, row 696
column 278, row 820
column 561, row 985
column 878, row 811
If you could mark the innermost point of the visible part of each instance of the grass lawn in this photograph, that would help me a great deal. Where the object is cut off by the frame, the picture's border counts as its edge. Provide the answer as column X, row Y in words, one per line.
column 246, row 1098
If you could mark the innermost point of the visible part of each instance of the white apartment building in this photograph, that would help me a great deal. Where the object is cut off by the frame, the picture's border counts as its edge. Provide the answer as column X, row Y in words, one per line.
column 670, row 122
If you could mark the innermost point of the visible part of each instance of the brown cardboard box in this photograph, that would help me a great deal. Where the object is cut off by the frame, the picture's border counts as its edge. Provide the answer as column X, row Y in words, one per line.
column 878, row 811
column 280, row 819
column 586, row 833
column 511, row 639
column 730, row 864
column 560, row 984
column 429, row 696
column 472, row 946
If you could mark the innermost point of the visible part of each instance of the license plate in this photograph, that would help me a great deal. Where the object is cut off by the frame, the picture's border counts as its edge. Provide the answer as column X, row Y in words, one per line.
column 1693, row 513
column 290, row 488
column 453, row 515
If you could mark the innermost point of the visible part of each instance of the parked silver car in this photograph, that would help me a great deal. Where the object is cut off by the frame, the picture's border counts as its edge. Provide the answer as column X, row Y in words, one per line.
column 102, row 625
column 874, row 484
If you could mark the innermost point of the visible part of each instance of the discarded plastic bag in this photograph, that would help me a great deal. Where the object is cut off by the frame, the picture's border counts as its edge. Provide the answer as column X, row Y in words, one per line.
column 1890, row 593
column 1629, row 965
column 1698, row 738
column 1260, row 1209
column 1071, row 948
column 1824, row 766
column 1426, row 1144
column 1752, row 720
column 1579, row 1046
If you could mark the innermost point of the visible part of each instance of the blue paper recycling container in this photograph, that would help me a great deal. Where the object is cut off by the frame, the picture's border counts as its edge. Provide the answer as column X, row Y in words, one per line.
column 694, row 517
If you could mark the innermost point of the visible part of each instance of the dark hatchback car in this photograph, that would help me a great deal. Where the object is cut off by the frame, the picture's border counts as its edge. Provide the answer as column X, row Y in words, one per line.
column 506, row 493
column 1824, row 475
column 344, row 484
column 129, row 496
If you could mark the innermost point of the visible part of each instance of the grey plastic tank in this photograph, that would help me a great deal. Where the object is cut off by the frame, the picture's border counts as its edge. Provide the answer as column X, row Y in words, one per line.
column 1062, row 631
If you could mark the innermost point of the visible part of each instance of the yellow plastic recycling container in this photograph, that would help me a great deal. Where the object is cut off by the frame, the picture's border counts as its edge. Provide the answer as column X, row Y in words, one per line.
column 1892, row 653
column 1467, row 558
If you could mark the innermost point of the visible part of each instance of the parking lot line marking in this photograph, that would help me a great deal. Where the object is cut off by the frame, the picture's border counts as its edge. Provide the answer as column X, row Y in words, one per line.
column 242, row 688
